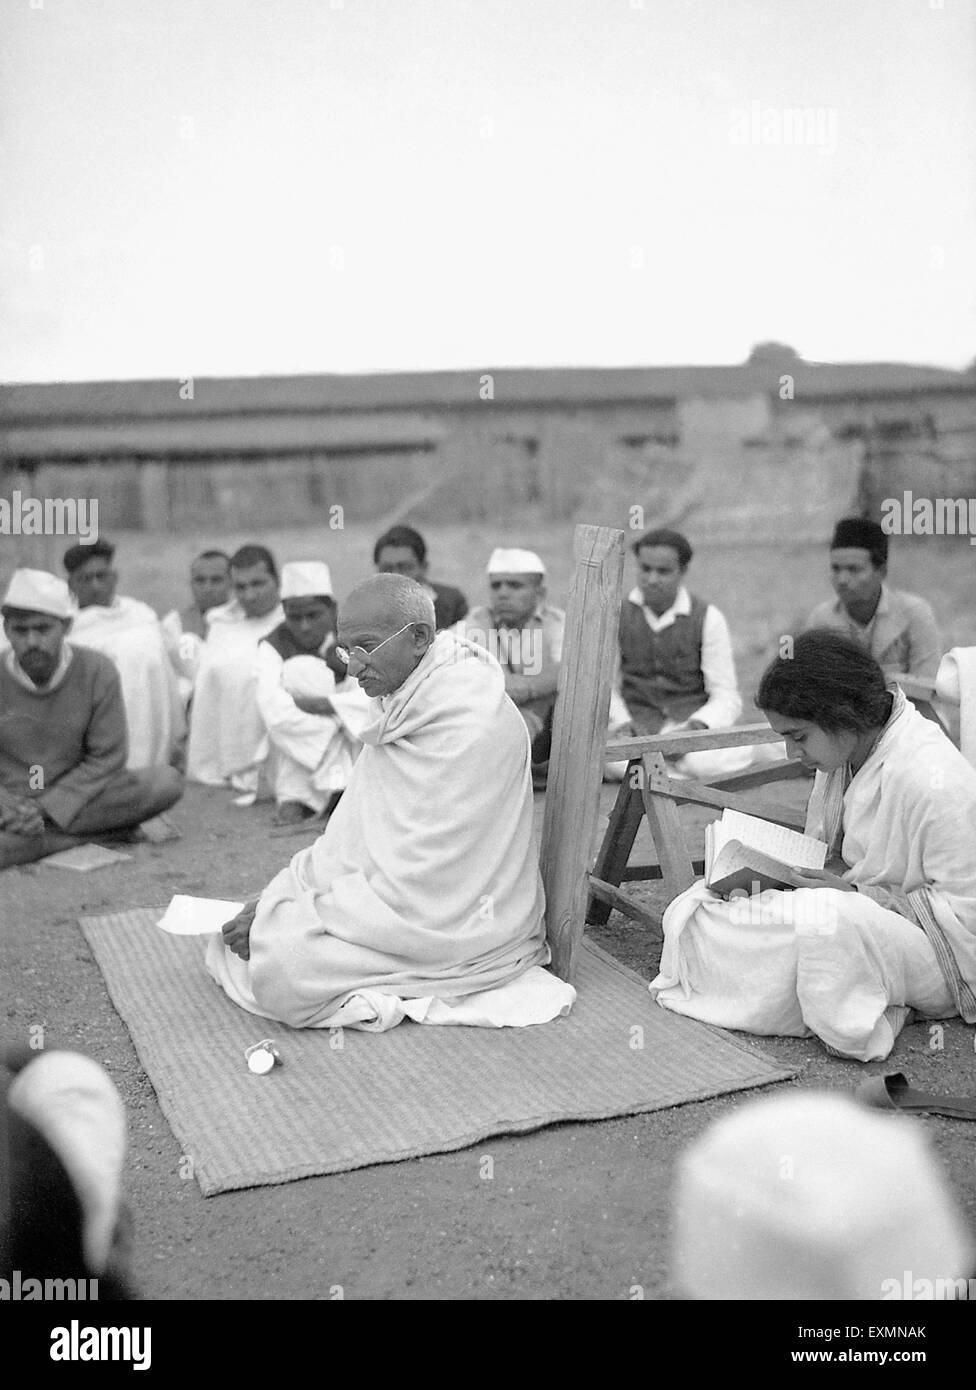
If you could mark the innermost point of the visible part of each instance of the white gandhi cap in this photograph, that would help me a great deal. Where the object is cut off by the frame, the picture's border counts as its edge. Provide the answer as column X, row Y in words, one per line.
column 305, row 579
column 810, row 1196
column 36, row 591
column 515, row 562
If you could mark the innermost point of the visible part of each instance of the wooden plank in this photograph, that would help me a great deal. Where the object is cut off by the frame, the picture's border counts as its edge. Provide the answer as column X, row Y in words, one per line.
column 609, row 897
column 686, row 790
column 578, row 737
column 671, row 745
column 786, row 771
column 618, row 841
column 665, row 826
column 641, row 873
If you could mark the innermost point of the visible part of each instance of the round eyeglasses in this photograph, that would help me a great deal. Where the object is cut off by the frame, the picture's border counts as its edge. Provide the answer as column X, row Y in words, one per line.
column 346, row 654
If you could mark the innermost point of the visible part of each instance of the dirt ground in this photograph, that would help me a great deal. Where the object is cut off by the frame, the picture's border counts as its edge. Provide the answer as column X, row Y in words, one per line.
column 574, row 1212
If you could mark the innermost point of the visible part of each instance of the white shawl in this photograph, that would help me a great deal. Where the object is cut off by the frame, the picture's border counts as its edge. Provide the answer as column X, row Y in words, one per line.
column 425, row 882
column 130, row 634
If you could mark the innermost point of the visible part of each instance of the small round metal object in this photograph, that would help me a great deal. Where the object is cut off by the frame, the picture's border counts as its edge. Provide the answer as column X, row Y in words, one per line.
column 262, row 1056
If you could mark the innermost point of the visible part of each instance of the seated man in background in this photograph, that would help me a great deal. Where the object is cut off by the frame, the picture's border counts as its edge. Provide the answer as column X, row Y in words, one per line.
column 228, row 743
column 525, row 635
column 897, row 628
column 402, row 550
column 186, row 629
column 129, row 632
column 311, row 709
column 424, row 888
column 676, row 670
column 63, row 742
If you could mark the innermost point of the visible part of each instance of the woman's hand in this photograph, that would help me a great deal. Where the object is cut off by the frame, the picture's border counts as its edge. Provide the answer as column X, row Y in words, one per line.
column 820, row 878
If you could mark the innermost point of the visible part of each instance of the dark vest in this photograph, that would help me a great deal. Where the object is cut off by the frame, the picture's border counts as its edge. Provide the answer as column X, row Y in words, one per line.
column 660, row 672
column 286, row 647
column 450, row 605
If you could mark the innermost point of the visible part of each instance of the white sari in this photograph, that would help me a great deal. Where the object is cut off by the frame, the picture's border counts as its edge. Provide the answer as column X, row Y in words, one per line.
column 847, row 966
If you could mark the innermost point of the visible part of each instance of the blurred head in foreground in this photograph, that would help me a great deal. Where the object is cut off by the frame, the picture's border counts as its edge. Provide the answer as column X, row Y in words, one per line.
column 810, row 1196
column 64, row 1145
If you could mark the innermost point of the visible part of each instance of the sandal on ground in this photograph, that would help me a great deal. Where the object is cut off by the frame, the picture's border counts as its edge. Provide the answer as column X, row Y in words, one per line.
column 893, row 1092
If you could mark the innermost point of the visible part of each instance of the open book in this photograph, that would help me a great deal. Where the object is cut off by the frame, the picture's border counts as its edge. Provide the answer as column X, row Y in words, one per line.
column 743, row 851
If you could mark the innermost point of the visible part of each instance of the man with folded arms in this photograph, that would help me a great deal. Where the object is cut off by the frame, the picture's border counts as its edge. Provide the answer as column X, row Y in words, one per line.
column 228, row 743
column 423, row 895
column 63, row 739
column 897, row 628
column 185, row 629
column 525, row 635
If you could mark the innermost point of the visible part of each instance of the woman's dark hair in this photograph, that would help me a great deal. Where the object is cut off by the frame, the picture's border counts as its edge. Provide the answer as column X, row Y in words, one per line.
column 829, row 680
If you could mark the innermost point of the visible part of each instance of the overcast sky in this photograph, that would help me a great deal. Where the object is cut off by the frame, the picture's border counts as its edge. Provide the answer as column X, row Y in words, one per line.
column 240, row 187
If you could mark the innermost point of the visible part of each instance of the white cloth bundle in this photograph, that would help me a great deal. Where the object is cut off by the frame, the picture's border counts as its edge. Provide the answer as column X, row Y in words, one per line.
column 308, row 677
column 955, row 683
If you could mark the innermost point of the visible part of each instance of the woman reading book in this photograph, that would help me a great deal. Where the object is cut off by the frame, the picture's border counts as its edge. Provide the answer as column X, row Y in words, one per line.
column 889, row 924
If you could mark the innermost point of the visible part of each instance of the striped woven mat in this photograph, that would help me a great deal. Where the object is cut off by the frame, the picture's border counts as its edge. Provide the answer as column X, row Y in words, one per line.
column 346, row 1099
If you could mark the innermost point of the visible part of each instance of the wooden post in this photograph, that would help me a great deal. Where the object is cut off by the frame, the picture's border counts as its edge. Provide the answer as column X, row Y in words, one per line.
column 579, row 737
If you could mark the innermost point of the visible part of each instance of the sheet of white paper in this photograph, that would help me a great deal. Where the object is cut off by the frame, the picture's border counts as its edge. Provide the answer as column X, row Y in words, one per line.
column 85, row 858
column 188, row 916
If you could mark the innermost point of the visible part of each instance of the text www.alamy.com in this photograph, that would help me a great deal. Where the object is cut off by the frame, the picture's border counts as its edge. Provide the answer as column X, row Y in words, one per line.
column 854, row 1354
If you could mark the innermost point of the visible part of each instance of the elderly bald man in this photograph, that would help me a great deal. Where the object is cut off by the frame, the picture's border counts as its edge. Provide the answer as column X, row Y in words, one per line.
column 424, row 889
column 63, row 733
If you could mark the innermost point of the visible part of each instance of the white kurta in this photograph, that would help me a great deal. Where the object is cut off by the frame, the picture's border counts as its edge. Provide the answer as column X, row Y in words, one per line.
column 312, row 754
column 425, row 882
column 227, row 735
column 184, row 652
column 845, row 966
column 130, row 634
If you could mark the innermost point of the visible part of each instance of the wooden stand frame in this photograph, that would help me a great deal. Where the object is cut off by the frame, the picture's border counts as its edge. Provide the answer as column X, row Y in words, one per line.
column 648, row 790
column 579, row 751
